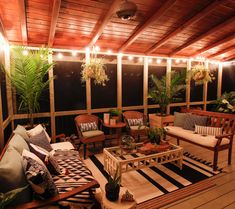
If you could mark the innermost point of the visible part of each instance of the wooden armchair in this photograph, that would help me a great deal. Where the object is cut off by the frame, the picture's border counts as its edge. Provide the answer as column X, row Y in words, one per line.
column 136, row 123
column 89, row 136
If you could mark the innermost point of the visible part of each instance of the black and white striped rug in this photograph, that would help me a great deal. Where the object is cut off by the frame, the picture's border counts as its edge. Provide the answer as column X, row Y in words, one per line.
column 156, row 181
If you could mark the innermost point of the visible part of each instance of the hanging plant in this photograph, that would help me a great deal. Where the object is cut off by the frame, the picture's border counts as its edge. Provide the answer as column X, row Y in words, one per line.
column 94, row 69
column 200, row 74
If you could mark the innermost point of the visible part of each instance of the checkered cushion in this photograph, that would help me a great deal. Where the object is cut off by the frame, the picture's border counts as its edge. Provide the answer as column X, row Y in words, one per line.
column 74, row 174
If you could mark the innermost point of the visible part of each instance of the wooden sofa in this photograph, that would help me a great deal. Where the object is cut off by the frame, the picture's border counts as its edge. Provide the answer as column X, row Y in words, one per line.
column 11, row 157
column 213, row 143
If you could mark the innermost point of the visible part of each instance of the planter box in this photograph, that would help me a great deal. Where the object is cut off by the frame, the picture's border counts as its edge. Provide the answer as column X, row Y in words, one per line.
column 159, row 121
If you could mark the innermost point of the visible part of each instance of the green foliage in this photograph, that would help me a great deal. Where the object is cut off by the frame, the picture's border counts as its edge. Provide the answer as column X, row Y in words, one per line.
column 163, row 95
column 226, row 103
column 8, row 197
column 155, row 134
column 115, row 112
column 115, row 181
column 28, row 76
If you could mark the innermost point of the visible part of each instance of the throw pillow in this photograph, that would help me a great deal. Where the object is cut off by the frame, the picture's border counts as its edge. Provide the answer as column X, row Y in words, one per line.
column 12, row 175
column 38, row 176
column 179, row 119
column 208, row 130
column 192, row 120
column 41, row 141
column 20, row 130
column 36, row 130
column 88, row 126
column 47, row 158
column 135, row 122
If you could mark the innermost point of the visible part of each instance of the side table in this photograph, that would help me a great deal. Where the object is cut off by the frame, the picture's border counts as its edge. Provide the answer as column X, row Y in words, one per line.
column 114, row 130
column 106, row 204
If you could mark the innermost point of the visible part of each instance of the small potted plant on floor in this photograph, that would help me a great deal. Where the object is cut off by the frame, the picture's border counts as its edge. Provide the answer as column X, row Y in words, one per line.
column 112, row 188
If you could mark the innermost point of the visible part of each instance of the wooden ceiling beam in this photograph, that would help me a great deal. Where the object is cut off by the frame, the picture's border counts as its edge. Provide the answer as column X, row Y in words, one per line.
column 200, row 37
column 54, row 18
column 229, row 58
column 222, row 51
column 22, row 12
column 189, row 22
column 166, row 5
column 114, row 6
column 215, row 44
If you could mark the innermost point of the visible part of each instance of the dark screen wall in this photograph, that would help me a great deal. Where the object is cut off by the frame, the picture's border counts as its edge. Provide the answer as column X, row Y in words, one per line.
column 228, row 78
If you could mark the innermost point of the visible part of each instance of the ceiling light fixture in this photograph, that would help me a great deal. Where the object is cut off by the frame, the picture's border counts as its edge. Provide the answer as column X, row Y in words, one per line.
column 127, row 10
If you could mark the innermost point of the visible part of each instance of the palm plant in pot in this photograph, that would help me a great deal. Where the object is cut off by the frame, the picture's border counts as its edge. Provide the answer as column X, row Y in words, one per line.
column 162, row 94
column 28, row 76
column 112, row 188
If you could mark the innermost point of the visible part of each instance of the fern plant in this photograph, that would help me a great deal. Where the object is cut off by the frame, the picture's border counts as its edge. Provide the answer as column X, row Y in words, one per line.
column 28, row 76
column 226, row 103
column 162, row 94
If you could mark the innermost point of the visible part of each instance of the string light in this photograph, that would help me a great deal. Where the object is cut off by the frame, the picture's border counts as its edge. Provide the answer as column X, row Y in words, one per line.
column 60, row 55
column 159, row 61
column 25, row 52
column 74, row 53
column 140, row 59
column 130, row 57
column 150, row 60
column 109, row 51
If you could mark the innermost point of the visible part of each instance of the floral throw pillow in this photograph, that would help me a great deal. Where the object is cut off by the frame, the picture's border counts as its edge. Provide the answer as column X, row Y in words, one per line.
column 38, row 176
column 88, row 126
column 135, row 122
column 47, row 158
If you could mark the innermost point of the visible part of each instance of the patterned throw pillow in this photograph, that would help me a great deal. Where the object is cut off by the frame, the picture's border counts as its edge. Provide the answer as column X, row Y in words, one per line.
column 88, row 126
column 47, row 158
column 135, row 122
column 40, row 140
column 192, row 120
column 207, row 130
column 38, row 176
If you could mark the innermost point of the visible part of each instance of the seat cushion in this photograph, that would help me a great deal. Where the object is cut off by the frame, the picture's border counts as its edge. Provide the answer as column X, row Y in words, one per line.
column 135, row 128
column 88, row 134
column 18, row 143
column 62, row 146
column 208, row 141
column 12, row 175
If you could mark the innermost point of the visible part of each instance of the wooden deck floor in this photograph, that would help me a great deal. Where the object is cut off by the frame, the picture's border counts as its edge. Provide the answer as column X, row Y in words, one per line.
column 220, row 196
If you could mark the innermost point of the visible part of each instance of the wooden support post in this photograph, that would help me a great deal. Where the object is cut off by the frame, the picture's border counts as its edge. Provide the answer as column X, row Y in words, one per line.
column 1, row 123
column 88, row 86
column 189, row 65
column 52, row 98
column 145, row 85
column 219, row 82
column 8, row 87
column 168, row 80
column 119, row 81
column 205, row 89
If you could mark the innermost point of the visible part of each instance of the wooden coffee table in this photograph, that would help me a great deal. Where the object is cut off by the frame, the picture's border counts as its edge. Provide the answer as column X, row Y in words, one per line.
column 116, row 158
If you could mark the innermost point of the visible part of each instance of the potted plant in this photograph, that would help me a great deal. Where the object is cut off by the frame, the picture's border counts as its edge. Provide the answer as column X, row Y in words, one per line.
column 226, row 103
column 28, row 76
column 156, row 135
column 94, row 69
column 127, row 143
column 112, row 188
column 200, row 74
column 115, row 114
column 162, row 94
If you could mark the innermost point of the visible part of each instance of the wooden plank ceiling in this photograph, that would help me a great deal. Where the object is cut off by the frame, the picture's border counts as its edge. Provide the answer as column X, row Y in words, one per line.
column 176, row 28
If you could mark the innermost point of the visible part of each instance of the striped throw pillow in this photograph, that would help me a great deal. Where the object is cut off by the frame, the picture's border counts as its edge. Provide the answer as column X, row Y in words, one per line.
column 88, row 126
column 135, row 122
column 207, row 130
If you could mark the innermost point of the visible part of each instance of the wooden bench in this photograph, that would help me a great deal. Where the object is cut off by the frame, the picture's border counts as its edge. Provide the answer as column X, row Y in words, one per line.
column 215, row 119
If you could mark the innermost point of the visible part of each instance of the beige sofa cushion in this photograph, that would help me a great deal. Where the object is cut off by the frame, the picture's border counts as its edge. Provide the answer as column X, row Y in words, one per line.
column 135, row 128
column 209, row 141
column 61, row 146
column 18, row 143
column 88, row 134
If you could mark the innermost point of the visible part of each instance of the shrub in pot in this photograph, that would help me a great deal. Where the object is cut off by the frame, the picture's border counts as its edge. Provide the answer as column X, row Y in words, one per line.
column 112, row 188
